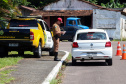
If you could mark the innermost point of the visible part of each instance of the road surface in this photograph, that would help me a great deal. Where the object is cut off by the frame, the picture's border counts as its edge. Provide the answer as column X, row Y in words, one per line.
column 95, row 72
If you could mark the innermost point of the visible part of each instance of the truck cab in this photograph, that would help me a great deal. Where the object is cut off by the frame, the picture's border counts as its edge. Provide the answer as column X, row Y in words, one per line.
column 74, row 21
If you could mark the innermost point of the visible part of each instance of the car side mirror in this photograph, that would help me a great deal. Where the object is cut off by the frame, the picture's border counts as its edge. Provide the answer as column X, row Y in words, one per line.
column 110, row 39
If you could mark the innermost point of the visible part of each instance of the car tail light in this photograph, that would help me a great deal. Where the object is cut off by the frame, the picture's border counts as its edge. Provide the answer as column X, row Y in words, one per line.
column 31, row 36
column 75, row 45
column 23, row 25
column 108, row 44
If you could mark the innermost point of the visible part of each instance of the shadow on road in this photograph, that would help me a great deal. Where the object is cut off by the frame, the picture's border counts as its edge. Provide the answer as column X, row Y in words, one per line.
column 24, row 56
column 88, row 64
column 16, row 55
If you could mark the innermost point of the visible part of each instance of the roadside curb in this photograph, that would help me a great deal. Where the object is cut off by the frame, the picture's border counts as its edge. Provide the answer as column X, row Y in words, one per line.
column 56, row 69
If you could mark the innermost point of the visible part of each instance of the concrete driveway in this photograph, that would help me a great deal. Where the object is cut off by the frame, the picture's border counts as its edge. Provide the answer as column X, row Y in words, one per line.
column 34, row 70
column 97, row 72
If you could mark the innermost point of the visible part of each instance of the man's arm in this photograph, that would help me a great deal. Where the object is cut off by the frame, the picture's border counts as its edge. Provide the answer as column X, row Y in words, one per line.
column 56, row 30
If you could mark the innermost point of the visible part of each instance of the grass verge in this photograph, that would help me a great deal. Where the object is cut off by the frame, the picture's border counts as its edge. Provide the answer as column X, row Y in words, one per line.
column 59, row 76
column 5, row 63
column 9, row 61
column 5, row 76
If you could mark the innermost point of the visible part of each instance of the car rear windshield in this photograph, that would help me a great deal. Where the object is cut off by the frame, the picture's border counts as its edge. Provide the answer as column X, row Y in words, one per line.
column 23, row 23
column 91, row 36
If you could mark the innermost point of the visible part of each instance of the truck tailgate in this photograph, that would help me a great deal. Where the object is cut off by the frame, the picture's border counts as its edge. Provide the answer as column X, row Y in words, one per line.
column 14, row 34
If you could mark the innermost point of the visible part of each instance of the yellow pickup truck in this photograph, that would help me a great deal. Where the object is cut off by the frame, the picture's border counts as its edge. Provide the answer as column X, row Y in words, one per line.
column 26, row 34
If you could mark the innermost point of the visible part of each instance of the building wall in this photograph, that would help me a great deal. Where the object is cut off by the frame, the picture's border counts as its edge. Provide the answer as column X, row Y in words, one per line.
column 109, row 21
column 123, row 27
column 69, row 5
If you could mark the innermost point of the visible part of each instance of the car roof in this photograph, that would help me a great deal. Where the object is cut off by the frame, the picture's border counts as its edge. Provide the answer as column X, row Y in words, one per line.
column 91, row 30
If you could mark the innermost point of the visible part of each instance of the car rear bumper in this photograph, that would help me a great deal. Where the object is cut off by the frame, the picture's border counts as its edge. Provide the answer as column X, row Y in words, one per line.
column 92, row 58
column 100, row 54
column 22, row 45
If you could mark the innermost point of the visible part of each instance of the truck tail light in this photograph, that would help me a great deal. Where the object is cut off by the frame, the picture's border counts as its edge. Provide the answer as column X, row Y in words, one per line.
column 108, row 44
column 31, row 36
column 75, row 45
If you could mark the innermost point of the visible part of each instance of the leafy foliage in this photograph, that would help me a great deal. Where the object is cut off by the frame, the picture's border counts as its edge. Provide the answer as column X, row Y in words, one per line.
column 113, row 4
column 108, row 3
column 20, row 2
column 9, row 9
column 93, row 1
column 39, row 3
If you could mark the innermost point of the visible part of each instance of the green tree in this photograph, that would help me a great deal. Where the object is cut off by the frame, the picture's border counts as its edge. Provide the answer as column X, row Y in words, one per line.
column 93, row 1
column 3, row 13
column 40, row 3
column 9, row 9
column 20, row 2
column 113, row 4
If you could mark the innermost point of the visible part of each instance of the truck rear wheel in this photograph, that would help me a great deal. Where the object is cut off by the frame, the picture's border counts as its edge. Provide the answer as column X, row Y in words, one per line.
column 51, row 51
column 4, row 54
column 38, row 51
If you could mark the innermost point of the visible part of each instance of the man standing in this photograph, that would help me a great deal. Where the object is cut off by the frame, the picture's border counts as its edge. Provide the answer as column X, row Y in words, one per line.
column 56, row 37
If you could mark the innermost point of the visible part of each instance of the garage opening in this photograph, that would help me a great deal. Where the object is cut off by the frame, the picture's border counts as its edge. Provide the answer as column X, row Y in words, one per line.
column 86, row 20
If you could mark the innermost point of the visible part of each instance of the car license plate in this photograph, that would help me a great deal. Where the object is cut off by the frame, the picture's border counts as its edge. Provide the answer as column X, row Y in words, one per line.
column 91, row 54
column 13, row 44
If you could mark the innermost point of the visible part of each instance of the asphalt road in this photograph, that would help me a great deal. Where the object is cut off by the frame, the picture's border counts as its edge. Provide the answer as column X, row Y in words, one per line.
column 95, row 72
column 65, row 46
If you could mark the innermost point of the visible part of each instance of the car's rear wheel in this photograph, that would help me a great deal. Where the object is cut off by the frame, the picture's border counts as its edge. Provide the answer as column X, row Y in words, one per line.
column 73, row 61
column 109, row 61
column 38, row 51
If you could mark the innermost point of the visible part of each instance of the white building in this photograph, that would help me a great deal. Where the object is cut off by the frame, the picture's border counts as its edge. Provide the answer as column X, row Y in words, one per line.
column 114, row 22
